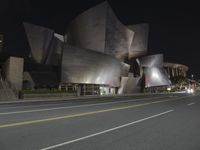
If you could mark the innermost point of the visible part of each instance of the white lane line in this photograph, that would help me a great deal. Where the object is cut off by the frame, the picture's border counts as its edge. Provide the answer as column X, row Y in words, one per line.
column 190, row 104
column 105, row 131
column 69, row 107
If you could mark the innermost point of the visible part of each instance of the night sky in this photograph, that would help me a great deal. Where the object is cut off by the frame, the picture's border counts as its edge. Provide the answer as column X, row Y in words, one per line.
column 174, row 26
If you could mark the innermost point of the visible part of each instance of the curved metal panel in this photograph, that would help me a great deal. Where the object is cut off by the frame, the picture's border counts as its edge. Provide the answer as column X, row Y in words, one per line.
column 100, row 30
column 55, row 52
column 154, row 72
column 39, row 39
column 152, row 61
column 88, row 29
column 125, row 68
column 156, row 77
column 118, row 36
column 140, row 41
column 89, row 67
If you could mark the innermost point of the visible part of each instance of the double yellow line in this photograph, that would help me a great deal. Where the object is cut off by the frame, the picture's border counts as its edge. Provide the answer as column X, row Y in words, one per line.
column 85, row 114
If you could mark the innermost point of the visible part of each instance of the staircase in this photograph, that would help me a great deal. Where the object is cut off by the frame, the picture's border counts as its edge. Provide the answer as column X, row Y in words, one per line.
column 6, row 93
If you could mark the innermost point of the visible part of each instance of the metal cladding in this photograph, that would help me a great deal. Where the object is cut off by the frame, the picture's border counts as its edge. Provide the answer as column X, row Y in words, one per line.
column 39, row 39
column 98, row 49
column 152, row 61
column 156, row 77
column 89, row 67
column 55, row 51
column 118, row 36
column 125, row 68
column 140, row 41
column 154, row 72
column 100, row 30
column 88, row 29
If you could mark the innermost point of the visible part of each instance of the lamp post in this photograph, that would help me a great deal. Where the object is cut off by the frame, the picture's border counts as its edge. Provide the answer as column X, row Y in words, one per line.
column 192, row 76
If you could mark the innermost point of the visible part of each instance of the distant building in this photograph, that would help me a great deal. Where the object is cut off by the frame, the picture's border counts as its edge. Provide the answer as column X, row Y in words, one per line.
column 175, row 70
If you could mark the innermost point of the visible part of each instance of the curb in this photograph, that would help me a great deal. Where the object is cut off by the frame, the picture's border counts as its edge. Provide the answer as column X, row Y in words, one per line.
column 63, row 99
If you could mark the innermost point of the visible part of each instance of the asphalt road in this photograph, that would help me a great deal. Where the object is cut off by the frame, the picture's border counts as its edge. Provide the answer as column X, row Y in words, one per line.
column 157, row 122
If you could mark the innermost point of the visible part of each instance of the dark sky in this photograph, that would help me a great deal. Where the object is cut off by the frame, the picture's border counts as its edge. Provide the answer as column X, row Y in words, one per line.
column 174, row 26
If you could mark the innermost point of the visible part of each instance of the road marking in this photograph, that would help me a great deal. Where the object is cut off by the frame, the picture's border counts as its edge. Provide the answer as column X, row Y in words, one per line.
column 106, row 131
column 71, row 116
column 190, row 104
column 78, row 106
column 80, row 114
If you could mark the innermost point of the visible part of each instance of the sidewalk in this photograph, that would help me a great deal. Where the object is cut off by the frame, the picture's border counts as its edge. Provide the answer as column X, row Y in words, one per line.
column 52, row 99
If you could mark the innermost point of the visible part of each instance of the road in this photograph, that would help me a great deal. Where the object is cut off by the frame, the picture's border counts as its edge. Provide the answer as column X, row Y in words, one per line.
column 148, row 122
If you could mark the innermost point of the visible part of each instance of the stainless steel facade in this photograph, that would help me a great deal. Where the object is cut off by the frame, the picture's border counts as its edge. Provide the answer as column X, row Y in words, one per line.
column 152, row 61
column 99, row 51
column 54, row 56
column 46, row 46
column 39, row 39
column 99, row 29
column 140, row 41
column 88, row 29
column 118, row 36
column 154, row 73
column 89, row 67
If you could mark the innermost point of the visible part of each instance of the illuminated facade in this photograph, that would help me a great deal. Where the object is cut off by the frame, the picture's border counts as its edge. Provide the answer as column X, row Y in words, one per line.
column 99, row 30
column 154, row 73
column 175, row 70
column 97, row 55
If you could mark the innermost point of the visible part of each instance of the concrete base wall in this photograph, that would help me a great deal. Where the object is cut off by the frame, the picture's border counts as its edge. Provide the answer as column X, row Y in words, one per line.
column 13, row 72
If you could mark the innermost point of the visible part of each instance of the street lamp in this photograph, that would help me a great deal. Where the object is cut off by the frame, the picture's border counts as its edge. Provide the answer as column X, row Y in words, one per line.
column 192, row 76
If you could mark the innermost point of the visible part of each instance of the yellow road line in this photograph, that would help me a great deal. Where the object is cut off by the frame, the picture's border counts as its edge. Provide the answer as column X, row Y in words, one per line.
column 84, row 114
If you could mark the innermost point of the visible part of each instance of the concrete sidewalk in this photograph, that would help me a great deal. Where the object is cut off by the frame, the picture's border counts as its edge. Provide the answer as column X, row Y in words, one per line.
column 62, row 99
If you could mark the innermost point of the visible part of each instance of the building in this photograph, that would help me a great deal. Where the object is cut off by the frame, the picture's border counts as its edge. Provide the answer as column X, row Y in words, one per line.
column 178, row 75
column 97, row 55
column 175, row 70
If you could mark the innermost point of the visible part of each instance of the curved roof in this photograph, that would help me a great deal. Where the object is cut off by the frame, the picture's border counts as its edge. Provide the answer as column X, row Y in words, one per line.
column 99, row 29
column 175, row 65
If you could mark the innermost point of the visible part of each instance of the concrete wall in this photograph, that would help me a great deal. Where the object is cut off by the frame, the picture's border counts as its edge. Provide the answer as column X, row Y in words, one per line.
column 130, row 85
column 13, row 72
